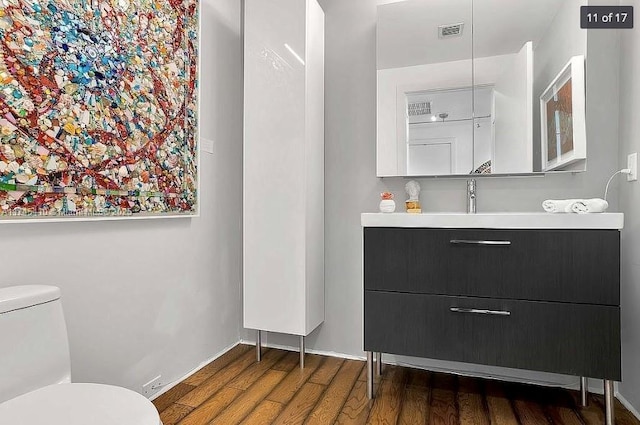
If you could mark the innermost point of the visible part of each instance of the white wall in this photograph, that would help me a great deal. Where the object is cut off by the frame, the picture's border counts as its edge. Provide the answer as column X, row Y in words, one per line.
column 630, row 204
column 143, row 298
column 352, row 188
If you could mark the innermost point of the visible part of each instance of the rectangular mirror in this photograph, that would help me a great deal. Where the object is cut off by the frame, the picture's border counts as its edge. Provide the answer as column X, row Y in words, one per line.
column 425, row 87
column 480, row 87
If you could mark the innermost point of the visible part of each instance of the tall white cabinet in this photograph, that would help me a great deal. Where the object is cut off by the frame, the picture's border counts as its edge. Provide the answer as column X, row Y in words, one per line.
column 283, row 167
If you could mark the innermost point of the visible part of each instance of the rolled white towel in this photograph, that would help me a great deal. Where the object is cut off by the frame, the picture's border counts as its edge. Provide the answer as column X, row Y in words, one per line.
column 586, row 206
column 558, row 205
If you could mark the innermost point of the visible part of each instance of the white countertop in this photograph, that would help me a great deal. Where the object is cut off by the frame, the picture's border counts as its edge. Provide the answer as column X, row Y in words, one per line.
column 495, row 220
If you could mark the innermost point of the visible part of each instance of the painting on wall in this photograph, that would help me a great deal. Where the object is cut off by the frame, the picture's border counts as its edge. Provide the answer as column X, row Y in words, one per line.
column 98, row 108
column 562, row 108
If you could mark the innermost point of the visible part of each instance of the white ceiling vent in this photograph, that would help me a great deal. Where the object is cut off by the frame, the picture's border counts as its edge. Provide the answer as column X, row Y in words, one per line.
column 452, row 30
column 419, row 108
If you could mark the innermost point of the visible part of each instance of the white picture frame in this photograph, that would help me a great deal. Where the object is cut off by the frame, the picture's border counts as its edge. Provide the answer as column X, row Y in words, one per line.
column 563, row 134
column 19, row 216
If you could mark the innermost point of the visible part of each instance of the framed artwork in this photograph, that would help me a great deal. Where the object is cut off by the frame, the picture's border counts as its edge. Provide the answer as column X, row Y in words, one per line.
column 563, row 122
column 98, row 109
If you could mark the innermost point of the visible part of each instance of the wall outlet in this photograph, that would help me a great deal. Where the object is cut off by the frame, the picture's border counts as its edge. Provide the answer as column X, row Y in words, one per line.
column 207, row 145
column 632, row 164
column 152, row 386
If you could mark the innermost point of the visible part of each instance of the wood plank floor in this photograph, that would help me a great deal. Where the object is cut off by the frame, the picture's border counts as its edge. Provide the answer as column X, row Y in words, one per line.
column 235, row 389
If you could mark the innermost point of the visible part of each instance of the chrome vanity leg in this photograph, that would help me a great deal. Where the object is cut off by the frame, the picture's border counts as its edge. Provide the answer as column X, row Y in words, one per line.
column 379, row 364
column 609, row 406
column 369, row 375
column 584, row 391
column 301, row 352
column 259, row 346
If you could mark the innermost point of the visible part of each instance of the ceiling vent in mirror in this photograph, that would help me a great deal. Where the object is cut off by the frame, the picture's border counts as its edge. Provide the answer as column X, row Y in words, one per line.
column 415, row 109
column 452, row 30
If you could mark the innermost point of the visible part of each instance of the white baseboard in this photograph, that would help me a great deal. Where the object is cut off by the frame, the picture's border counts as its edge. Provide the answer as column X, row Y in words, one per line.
column 628, row 405
column 499, row 377
column 310, row 351
column 203, row 364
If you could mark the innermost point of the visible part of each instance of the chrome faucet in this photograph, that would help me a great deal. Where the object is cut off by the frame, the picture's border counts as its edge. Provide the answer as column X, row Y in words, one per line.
column 471, row 196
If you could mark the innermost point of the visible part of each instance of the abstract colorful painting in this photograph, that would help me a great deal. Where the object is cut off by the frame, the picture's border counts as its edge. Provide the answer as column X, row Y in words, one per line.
column 98, row 108
column 560, row 122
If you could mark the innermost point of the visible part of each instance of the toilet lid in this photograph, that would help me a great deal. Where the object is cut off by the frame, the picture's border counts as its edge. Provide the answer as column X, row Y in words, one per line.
column 79, row 404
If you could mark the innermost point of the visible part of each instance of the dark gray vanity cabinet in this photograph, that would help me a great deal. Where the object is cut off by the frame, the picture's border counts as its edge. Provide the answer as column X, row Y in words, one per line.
column 543, row 300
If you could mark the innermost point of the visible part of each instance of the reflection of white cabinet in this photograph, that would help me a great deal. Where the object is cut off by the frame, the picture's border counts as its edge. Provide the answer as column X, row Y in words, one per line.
column 284, row 166
column 513, row 144
column 445, row 139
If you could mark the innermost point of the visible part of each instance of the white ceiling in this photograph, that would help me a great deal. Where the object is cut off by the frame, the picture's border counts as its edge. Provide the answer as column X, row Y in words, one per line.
column 408, row 29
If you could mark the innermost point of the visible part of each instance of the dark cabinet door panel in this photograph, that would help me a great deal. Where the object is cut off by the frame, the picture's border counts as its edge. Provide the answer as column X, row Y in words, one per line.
column 573, row 339
column 578, row 266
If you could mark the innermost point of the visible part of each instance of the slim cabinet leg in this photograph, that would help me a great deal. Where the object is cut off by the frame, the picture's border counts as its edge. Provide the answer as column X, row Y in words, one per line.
column 609, row 406
column 379, row 364
column 259, row 346
column 301, row 352
column 369, row 375
column 584, row 391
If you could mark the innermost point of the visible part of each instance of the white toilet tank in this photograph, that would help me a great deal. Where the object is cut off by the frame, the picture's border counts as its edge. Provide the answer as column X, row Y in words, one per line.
column 33, row 338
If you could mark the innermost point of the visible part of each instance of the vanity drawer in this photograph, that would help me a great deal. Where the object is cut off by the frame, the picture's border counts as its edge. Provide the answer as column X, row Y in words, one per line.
column 580, row 266
column 573, row 339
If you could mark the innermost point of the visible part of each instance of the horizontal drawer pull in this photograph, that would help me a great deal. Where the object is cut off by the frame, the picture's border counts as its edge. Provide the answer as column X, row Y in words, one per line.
column 488, row 243
column 480, row 311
